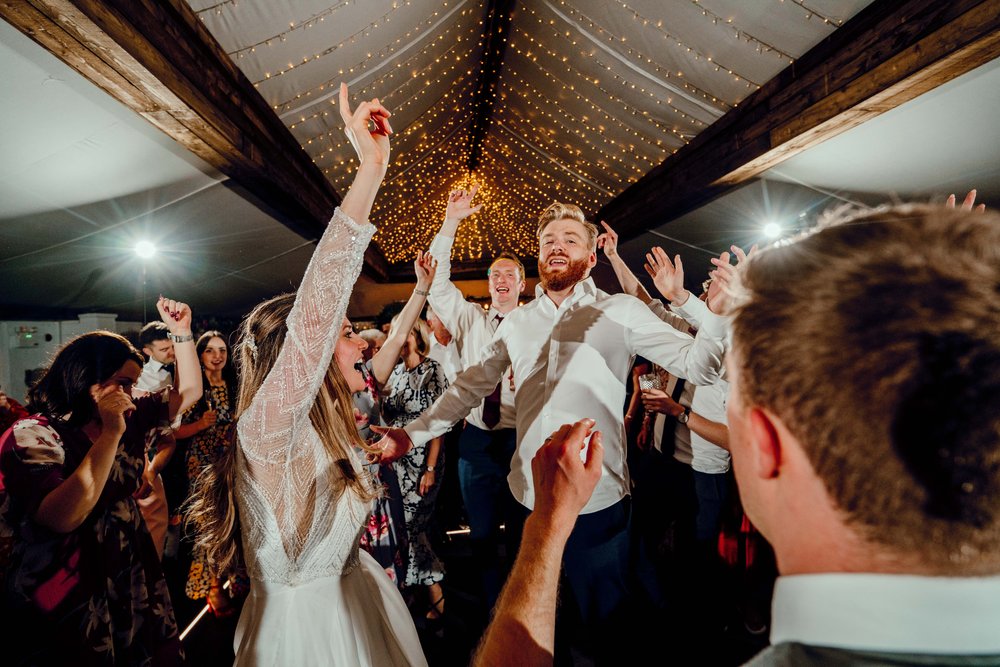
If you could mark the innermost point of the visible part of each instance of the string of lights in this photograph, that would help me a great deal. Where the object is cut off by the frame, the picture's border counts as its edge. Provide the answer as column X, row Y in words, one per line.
column 643, row 137
column 575, row 17
column 668, row 36
column 625, row 106
column 614, row 166
column 624, row 81
column 382, row 58
column 557, row 118
column 810, row 12
column 687, row 49
column 762, row 46
column 305, row 24
column 314, row 57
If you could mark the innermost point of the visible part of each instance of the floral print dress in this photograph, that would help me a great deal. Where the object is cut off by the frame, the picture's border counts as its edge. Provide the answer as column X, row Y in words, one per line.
column 407, row 394
column 204, row 449
column 95, row 595
column 384, row 536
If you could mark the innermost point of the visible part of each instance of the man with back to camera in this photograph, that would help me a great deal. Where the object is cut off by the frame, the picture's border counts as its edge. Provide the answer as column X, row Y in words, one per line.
column 570, row 351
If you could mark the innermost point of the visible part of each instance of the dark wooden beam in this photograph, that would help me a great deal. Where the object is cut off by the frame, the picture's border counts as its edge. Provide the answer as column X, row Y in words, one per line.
column 158, row 59
column 889, row 53
column 497, row 24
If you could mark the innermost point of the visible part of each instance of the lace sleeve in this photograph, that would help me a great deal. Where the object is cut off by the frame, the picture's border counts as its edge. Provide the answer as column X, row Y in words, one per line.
column 272, row 425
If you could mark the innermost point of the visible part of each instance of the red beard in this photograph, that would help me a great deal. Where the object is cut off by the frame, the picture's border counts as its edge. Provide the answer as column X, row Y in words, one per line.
column 557, row 281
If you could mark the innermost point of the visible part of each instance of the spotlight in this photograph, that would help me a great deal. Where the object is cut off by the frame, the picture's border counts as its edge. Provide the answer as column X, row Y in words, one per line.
column 145, row 249
column 772, row 230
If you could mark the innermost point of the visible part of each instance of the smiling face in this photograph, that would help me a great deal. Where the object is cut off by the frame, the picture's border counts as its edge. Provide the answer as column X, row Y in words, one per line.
column 506, row 284
column 215, row 355
column 349, row 356
column 564, row 256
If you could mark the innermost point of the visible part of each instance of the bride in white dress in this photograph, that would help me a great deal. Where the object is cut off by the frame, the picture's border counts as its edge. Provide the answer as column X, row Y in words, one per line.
column 292, row 499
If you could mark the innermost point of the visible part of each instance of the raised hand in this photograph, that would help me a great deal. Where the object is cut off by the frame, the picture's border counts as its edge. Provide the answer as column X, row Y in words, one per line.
column 368, row 129
column 968, row 204
column 564, row 483
column 668, row 277
column 176, row 315
column 608, row 240
column 424, row 266
column 460, row 204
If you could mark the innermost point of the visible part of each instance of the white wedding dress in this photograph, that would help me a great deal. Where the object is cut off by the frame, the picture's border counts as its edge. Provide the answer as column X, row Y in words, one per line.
column 315, row 597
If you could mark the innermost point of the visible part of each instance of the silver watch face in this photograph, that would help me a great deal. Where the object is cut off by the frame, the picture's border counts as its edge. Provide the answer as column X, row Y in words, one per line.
column 682, row 418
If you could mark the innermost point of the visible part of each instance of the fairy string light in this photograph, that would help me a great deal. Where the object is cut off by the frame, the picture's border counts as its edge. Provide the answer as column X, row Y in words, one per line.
column 810, row 12
column 351, row 39
column 382, row 57
column 696, row 54
column 655, row 96
column 293, row 27
column 640, row 113
column 762, row 46
column 575, row 17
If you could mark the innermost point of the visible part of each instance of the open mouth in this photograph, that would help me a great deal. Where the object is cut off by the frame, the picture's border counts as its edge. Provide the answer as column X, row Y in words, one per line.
column 558, row 261
column 502, row 290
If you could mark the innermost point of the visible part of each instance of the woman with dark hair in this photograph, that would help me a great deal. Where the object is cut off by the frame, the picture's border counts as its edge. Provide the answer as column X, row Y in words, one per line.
column 291, row 497
column 84, row 584
column 204, row 432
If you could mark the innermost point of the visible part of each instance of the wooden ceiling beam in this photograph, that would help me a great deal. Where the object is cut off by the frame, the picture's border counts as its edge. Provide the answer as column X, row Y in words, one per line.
column 889, row 53
column 158, row 59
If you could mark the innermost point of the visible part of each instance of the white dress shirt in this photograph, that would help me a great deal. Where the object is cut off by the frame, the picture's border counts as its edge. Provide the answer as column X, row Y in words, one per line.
column 447, row 357
column 889, row 613
column 154, row 377
column 710, row 403
column 471, row 328
column 571, row 362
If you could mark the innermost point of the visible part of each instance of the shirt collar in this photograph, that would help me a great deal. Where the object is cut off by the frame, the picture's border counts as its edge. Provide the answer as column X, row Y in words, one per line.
column 585, row 286
column 154, row 365
column 889, row 613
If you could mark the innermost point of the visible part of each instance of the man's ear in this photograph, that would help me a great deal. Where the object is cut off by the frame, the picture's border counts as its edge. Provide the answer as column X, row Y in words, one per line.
column 765, row 439
column 521, row 286
column 592, row 262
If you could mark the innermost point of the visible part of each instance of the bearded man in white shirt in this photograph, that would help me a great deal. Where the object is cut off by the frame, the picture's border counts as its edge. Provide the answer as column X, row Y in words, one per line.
column 570, row 351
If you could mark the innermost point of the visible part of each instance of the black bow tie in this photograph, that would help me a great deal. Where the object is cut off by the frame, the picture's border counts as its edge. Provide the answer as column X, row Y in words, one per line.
column 168, row 368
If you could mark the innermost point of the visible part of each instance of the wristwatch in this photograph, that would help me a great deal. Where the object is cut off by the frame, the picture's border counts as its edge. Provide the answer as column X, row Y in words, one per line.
column 430, row 468
column 683, row 417
column 186, row 338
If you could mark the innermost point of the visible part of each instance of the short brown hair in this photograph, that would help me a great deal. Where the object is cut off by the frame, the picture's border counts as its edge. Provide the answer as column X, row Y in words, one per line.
column 508, row 256
column 876, row 340
column 560, row 211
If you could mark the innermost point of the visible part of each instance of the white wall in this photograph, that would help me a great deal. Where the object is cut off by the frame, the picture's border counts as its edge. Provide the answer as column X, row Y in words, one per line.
column 21, row 353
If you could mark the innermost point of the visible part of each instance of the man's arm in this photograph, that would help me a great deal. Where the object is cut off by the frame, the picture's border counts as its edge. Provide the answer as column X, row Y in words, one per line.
column 629, row 282
column 698, row 360
column 715, row 432
column 445, row 298
column 465, row 393
column 522, row 632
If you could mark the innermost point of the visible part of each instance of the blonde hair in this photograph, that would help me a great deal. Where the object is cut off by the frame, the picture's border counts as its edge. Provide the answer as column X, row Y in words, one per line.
column 876, row 340
column 212, row 509
column 560, row 211
column 421, row 332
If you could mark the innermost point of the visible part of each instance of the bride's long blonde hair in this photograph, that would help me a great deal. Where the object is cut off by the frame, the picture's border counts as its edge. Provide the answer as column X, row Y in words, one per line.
column 212, row 509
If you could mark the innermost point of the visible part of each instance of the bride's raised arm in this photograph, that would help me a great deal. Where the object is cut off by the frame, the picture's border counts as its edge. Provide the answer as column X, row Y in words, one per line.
column 272, row 422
